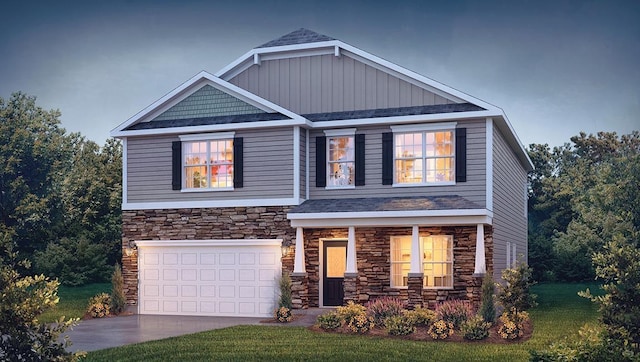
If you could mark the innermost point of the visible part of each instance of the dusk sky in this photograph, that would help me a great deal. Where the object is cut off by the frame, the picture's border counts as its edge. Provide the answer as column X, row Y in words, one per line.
column 555, row 67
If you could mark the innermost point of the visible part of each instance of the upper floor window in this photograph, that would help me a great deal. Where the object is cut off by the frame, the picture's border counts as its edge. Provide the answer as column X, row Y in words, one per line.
column 426, row 157
column 208, row 163
column 341, row 161
column 437, row 260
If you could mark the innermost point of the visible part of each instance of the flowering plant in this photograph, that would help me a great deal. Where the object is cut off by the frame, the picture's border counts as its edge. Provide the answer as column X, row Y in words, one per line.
column 361, row 323
column 440, row 329
column 512, row 326
column 99, row 305
column 283, row 315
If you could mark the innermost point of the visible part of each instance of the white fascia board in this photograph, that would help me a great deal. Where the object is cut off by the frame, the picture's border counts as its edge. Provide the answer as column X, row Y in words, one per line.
column 225, row 73
column 397, row 120
column 210, row 203
column 390, row 214
column 393, row 221
column 211, row 242
column 190, row 86
column 213, row 128
column 422, row 127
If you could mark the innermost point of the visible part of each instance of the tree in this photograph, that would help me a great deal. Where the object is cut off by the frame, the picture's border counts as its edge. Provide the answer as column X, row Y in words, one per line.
column 33, row 152
column 22, row 300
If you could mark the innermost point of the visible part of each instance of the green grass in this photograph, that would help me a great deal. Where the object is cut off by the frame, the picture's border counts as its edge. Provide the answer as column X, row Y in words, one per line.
column 560, row 313
column 73, row 301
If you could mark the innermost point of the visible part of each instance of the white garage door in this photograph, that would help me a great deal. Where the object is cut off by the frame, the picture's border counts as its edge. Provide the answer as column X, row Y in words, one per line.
column 209, row 277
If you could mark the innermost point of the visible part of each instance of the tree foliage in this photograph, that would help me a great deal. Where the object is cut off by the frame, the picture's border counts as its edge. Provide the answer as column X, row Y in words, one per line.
column 60, row 194
column 22, row 300
column 565, row 227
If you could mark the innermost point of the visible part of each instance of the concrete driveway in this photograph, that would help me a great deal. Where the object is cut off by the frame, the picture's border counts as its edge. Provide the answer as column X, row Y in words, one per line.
column 95, row 334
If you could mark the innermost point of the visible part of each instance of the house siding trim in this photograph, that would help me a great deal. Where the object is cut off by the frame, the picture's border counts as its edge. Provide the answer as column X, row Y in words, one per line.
column 210, row 204
column 391, row 218
column 489, row 163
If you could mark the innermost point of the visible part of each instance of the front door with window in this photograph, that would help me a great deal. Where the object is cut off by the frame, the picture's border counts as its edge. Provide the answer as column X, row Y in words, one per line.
column 335, row 263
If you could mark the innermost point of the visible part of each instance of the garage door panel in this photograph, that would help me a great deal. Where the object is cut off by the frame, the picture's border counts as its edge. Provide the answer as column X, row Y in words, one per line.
column 190, row 279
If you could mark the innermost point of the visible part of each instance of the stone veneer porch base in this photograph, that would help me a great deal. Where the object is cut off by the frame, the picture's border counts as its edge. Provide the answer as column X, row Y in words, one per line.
column 372, row 248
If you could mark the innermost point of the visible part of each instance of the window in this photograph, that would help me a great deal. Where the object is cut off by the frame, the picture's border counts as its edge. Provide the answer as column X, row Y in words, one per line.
column 341, row 161
column 208, row 164
column 425, row 157
column 437, row 263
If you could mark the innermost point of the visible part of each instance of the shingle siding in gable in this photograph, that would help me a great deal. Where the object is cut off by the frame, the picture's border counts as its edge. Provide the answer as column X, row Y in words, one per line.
column 207, row 102
column 326, row 83
column 509, row 205
column 268, row 168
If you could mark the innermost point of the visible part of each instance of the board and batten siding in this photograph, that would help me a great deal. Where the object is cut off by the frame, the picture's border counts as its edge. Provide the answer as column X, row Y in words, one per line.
column 474, row 189
column 509, row 204
column 268, row 168
column 326, row 83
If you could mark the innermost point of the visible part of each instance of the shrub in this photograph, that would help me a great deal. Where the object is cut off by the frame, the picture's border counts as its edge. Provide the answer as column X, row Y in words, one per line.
column 399, row 325
column 382, row 308
column 476, row 328
column 455, row 312
column 99, row 305
column 329, row 321
column 487, row 306
column 283, row 315
column 514, row 294
column 512, row 326
column 118, row 300
column 349, row 311
column 285, row 292
column 440, row 329
column 421, row 316
column 361, row 323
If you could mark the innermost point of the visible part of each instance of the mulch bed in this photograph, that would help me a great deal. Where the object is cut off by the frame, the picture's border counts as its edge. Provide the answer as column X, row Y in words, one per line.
column 421, row 335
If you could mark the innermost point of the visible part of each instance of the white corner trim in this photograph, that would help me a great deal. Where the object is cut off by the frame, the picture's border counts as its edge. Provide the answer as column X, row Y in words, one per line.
column 489, row 163
column 296, row 162
column 125, row 184
column 209, row 203
column 340, row 132
column 208, row 136
column 442, row 126
column 306, row 165
column 210, row 242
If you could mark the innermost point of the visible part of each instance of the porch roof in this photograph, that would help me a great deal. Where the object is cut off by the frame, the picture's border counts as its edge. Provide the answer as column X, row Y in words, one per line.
column 450, row 202
column 389, row 211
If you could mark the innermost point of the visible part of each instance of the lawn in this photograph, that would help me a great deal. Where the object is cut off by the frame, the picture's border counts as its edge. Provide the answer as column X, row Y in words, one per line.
column 73, row 301
column 560, row 313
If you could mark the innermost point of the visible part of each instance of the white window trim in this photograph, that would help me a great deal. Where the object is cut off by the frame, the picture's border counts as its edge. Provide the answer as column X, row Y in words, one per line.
column 333, row 133
column 207, row 136
column 423, row 129
column 394, row 239
column 203, row 137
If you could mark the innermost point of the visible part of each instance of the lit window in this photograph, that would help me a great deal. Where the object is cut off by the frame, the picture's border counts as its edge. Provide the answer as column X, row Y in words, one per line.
column 424, row 158
column 208, row 164
column 341, row 165
column 437, row 260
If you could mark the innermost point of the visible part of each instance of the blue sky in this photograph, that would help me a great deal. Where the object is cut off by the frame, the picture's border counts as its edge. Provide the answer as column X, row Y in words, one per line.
column 555, row 67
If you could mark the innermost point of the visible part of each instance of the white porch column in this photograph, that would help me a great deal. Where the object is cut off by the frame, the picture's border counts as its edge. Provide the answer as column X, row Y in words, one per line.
column 480, row 265
column 416, row 254
column 298, row 263
column 352, row 265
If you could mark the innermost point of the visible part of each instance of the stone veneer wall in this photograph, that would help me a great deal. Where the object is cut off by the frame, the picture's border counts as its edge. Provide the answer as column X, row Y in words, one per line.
column 374, row 270
column 200, row 224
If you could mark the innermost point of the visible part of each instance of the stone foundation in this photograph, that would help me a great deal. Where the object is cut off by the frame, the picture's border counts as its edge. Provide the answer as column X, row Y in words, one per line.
column 350, row 288
column 200, row 224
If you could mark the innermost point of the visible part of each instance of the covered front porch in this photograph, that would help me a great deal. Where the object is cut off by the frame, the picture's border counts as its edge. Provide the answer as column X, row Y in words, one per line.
column 420, row 253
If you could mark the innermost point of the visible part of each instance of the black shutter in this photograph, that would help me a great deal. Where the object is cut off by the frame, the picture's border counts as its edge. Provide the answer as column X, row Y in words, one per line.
column 387, row 158
column 238, row 161
column 461, row 155
column 176, row 165
column 359, row 160
column 321, row 161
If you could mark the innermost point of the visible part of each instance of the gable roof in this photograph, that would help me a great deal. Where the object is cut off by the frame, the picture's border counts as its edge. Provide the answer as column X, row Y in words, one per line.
column 300, row 36
column 218, row 103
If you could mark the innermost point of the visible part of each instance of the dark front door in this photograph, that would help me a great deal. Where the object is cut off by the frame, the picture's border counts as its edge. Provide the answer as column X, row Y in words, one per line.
column 335, row 263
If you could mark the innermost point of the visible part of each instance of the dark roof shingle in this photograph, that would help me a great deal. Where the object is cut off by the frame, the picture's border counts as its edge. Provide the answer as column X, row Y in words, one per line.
column 392, row 112
column 205, row 121
column 451, row 202
column 300, row 36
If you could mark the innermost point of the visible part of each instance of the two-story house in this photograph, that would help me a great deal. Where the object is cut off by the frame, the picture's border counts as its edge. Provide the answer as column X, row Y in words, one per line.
column 307, row 155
